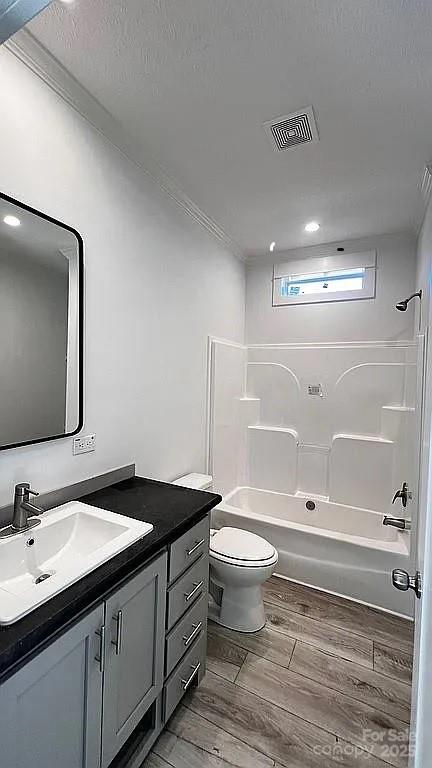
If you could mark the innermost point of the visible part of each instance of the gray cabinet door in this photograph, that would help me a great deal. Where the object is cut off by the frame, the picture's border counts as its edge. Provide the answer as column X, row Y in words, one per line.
column 135, row 617
column 50, row 710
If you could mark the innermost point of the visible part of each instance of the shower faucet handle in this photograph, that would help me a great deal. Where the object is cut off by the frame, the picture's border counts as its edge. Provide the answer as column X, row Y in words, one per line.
column 403, row 494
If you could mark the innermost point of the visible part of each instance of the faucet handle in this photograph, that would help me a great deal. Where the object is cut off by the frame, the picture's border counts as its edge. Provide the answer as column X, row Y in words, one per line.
column 23, row 489
column 404, row 494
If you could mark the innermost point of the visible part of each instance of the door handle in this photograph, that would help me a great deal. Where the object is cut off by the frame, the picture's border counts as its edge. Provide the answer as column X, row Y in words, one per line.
column 198, row 544
column 403, row 581
column 101, row 658
column 197, row 587
column 119, row 637
column 196, row 630
column 186, row 683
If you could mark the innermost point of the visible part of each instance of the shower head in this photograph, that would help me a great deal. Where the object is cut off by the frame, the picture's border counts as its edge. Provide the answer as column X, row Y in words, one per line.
column 402, row 305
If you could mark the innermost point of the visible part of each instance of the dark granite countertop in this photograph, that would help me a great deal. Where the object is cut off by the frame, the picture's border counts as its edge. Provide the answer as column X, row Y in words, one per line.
column 170, row 508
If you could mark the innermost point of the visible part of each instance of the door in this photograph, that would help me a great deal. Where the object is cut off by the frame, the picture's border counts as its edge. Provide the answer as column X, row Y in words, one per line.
column 421, row 746
column 134, row 654
column 51, row 708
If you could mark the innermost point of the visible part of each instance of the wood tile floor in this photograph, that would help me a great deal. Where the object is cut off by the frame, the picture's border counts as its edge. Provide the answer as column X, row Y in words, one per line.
column 325, row 683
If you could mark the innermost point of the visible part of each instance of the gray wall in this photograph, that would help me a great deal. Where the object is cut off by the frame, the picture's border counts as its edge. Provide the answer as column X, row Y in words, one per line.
column 33, row 323
column 366, row 320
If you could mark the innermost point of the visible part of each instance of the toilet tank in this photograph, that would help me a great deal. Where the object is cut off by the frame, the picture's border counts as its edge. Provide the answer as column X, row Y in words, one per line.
column 196, row 481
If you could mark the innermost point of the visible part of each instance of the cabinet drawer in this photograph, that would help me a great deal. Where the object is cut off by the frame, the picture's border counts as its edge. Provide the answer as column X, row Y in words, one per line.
column 189, row 672
column 189, row 548
column 181, row 638
column 187, row 590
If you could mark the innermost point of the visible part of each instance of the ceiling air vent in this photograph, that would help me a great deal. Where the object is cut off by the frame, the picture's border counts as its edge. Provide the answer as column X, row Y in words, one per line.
column 292, row 130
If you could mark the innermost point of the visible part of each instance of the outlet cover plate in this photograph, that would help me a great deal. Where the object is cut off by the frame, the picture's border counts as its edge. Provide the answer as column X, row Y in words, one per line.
column 84, row 444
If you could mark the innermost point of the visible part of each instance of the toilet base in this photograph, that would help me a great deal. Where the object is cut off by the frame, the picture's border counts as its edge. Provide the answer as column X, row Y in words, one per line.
column 241, row 609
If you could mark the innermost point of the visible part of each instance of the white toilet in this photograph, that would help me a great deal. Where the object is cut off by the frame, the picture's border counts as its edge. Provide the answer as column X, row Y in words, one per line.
column 240, row 562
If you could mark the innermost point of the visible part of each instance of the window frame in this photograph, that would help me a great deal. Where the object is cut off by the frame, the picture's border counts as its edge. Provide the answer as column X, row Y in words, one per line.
column 331, row 263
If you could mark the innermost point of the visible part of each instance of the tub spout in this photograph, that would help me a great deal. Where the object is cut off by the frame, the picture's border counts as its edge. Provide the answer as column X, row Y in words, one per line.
column 397, row 522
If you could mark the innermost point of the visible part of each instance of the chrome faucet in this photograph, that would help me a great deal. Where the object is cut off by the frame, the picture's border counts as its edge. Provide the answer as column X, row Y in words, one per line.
column 23, row 510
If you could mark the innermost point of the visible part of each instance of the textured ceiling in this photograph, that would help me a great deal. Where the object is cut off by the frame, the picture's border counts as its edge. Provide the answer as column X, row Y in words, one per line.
column 193, row 81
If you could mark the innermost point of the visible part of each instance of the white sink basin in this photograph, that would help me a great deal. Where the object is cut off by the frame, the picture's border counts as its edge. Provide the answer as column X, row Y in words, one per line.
column 71, row 541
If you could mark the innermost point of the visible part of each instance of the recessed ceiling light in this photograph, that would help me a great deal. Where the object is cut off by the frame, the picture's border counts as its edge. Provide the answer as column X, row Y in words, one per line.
column 13, row 221
column 312, row 226
column 272, row 247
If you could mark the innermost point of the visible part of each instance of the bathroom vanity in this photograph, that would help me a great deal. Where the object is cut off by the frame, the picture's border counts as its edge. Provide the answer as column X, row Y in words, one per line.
column 88, row 679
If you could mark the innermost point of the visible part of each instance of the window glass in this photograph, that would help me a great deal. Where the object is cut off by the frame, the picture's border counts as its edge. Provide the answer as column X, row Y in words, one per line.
column 323, row 282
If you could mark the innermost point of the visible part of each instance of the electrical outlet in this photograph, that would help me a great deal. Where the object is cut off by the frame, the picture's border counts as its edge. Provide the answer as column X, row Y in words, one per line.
column 84, row 444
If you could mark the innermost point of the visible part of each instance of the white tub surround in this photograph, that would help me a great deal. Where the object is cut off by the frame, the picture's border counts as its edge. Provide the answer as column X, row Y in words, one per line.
column 334, row 547
column 336, row 423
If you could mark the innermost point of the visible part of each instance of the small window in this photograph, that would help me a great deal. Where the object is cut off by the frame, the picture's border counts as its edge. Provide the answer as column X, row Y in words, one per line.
column 344, row 284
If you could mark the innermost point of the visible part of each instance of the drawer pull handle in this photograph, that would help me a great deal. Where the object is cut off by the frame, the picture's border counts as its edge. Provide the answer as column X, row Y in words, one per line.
column 118, row 641
column 196, row 631
column 197, row 587
column 101, row 658
column 186, row 683
column 195, row 547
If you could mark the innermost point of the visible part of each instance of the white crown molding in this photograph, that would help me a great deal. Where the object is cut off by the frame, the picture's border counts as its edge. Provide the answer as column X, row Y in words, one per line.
column 43, row 64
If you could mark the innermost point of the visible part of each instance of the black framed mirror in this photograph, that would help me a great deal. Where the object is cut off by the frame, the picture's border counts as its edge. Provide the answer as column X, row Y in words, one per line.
column 41, row 326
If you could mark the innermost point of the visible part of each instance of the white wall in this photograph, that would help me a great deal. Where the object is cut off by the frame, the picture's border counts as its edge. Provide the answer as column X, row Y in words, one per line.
column 156, row 286
column 366, row 320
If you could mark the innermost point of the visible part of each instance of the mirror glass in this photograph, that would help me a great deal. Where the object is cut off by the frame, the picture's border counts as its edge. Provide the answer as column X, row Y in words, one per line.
column 41, row 277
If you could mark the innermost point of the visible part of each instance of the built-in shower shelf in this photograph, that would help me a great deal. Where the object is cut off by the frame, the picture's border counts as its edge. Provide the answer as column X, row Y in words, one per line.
column 273, row 455
column 360, row 470
column 249, row 408
column 394, row 420
column 398, row 408
column 363, row 438
column 287, row 430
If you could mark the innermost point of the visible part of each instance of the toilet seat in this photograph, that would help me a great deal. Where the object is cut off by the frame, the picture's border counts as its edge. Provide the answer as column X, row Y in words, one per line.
column 241, row 548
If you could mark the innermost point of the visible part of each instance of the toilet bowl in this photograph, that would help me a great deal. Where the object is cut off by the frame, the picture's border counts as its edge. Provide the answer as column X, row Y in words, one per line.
column 240, row 562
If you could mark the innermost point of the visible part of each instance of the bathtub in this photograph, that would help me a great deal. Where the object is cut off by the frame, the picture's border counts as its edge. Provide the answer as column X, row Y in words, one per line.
column 334, row 547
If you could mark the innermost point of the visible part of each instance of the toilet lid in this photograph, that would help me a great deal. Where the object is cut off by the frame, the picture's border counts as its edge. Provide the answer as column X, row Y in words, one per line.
column 241, row 545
